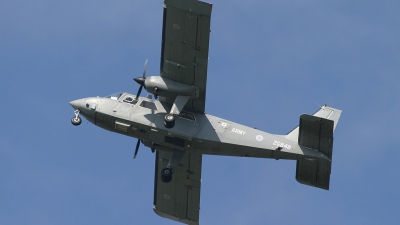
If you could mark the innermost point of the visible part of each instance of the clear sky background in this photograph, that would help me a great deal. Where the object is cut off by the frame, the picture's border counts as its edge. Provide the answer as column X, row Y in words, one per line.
column 269, row 62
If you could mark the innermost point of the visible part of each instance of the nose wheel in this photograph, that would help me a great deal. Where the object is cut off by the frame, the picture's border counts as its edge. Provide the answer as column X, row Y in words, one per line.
column 76, row 120
column 169, row 121
column 166, row 175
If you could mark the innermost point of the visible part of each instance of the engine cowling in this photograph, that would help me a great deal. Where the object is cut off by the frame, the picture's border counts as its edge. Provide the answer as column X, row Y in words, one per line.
column 165, row 87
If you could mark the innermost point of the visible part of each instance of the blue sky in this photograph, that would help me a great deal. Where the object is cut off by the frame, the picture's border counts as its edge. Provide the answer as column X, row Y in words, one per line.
column 270, row 61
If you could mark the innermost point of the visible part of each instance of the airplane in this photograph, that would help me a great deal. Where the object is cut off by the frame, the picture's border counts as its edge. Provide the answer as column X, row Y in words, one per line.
column 177, row 129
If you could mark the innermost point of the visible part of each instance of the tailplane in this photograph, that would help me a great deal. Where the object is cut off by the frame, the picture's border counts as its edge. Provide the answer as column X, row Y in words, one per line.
column 316, row 132
column 324, row 112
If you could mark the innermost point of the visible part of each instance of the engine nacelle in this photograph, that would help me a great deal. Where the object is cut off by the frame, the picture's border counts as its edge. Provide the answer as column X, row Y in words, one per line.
column 168, row 88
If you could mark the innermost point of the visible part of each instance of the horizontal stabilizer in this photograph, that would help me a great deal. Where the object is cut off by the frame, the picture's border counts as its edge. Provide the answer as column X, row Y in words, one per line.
column 316, row 133
column 313, row 173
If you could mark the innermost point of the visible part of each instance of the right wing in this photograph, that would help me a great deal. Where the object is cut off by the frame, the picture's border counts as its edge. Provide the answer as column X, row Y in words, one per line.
column 179, row 199
column 184, row 49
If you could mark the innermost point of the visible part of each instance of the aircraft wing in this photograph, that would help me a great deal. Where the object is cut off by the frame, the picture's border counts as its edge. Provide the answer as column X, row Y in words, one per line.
column 179, row 199
column 184, row 49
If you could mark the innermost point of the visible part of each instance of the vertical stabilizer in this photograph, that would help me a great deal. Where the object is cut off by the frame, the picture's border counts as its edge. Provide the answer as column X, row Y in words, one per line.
column 324, row 112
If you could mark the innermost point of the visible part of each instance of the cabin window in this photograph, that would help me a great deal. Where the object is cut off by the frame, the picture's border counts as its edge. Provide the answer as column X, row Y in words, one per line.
column 149, row 105
column 123, row 127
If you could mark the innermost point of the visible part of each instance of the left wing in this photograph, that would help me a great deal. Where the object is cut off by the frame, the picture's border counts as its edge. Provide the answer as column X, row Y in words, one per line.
column 184, row 49
column 179, row 199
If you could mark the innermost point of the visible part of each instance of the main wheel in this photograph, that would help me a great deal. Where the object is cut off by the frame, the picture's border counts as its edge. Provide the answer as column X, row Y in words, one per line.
column 169, row 121
column 76, row 121
column 166, row 175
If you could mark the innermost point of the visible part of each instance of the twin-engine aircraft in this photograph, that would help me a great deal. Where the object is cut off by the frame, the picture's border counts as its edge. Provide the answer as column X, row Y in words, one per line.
column 178, row 130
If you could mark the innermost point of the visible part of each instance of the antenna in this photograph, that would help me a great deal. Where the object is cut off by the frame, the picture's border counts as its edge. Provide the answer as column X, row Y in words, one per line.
column 317, row 104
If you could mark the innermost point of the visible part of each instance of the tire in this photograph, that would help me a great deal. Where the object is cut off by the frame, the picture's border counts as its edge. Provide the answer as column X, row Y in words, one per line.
column 166, row 175
column 169, row 121
column 76, row 121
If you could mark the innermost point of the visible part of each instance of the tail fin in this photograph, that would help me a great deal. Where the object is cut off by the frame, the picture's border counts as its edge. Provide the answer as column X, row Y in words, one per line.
column 324, row 112
column 316, row 132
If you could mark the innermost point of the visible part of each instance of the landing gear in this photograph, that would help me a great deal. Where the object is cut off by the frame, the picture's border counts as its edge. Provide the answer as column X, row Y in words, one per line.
column 76, row 120
column 166, row 175
column 176, row 157
column 169, row 121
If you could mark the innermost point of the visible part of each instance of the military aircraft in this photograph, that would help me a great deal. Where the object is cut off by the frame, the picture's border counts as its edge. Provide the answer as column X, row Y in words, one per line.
column 179, row 131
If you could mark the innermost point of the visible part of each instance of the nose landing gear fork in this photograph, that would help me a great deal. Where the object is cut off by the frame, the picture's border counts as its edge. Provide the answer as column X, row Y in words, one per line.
column 76, row 120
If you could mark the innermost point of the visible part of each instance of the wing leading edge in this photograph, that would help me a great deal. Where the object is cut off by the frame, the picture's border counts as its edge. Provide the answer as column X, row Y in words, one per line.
column 185, row 43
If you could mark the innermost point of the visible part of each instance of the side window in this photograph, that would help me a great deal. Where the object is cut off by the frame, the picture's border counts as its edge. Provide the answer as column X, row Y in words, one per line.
column 149, row 105
column 187, row 115
column 129, row 99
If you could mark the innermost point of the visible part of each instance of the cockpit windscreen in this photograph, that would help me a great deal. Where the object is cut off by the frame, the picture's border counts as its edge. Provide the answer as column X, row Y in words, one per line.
column 115, row 96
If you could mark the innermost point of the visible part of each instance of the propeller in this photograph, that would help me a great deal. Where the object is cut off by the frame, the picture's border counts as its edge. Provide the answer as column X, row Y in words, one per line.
column 141, row 80
column 137, row 148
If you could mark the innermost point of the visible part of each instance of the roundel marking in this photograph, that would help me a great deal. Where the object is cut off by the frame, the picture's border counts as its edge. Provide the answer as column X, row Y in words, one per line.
column 259, row 138
column 176, row 26
column 167, row 197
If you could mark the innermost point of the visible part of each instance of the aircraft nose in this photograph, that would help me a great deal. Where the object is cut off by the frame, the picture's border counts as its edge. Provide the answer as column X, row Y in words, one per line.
column 76, row 103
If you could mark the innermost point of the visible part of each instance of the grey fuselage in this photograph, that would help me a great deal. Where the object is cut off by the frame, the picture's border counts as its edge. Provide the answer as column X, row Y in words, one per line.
column 197, row 132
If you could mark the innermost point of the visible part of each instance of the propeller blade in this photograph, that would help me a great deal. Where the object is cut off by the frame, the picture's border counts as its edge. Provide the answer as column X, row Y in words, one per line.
column 141, row 80
column 145, row 68
column 138, row 93
column 137, row 148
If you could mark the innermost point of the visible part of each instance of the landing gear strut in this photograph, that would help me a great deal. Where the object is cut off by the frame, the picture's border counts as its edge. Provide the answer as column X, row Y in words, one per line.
column 76, row 120
column 169, row 121
column 176, row 157
column 166, row 175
